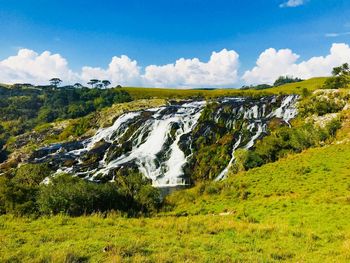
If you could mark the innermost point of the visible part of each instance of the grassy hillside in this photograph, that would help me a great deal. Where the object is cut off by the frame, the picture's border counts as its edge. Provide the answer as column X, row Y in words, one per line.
column 293, row 210
column 295, row 88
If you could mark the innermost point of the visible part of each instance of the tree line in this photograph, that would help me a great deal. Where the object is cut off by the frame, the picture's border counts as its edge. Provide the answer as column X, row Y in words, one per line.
column 94, row 83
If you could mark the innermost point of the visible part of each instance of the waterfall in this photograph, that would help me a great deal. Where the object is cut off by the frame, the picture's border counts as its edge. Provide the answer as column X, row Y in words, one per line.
column 158, row 141
column 286, row 111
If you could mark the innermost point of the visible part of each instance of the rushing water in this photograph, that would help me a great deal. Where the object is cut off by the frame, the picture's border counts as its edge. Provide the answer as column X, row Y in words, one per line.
column 158, row 141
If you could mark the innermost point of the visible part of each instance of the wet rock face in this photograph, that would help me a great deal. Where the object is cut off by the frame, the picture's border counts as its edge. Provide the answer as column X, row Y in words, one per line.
column 172, row 145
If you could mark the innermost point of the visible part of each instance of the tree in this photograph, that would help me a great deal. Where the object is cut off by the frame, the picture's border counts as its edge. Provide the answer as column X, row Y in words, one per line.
column 99, row 85
column 93, row 82
column 55, row 81
column 106, row 83
column 340, row 77
column 18, row 193
column 77, row 85
column 285, row 80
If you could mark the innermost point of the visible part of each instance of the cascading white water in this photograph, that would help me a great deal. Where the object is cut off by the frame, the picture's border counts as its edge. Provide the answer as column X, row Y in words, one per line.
column 286, row 111
column 144, row 152
column 150, row 141
column 155, row 138
column 223, row 174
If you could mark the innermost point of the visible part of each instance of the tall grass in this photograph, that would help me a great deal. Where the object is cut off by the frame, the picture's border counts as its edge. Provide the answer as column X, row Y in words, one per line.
column 292, row 88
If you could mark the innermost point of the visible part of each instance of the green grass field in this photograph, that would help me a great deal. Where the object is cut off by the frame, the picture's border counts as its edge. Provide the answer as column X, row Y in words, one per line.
column 295, row 88
column 294, row 210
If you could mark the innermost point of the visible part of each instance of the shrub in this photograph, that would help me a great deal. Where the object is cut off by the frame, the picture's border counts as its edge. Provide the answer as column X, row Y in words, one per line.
column 73, row 196
column 18, row 193
column 340, row 78
column 319, row 105
column 285, row 80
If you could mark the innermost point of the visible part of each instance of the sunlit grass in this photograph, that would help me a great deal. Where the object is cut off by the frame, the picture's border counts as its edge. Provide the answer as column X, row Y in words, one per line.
column 293, row 88
column 296, row 210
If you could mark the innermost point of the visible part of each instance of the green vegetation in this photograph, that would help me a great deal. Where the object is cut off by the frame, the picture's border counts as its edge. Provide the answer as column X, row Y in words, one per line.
column 23, row 108
column 18, row 192
column 285, row 80
column 284, row 141
column 340, row 78
column 22, row 193
column 69, row 195
column 291, row 88
column 320, row 105
column 282, row 80
column 285, row 200
column 295, row 210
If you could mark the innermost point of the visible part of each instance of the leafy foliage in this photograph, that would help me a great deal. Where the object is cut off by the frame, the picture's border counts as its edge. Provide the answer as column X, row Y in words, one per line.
column 284, row 141
column 320, row 105
column 74, row 196
column 18, row 192
column 340, row 78
column 282, row 80
column 23, row 108
column 22, row 193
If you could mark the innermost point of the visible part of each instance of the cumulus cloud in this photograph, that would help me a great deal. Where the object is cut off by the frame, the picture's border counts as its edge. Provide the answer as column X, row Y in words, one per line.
column 121, row 70
column 292, row 3
column 29, row 66
column 273, row 63
column 220, row 70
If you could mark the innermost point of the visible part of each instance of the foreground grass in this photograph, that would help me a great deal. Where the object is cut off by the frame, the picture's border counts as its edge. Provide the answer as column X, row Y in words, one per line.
column 292, row 88
column 210, row 238
column 295, row 210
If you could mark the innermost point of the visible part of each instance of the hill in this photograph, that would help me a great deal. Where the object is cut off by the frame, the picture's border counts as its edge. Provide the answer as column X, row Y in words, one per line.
column 287, row 199
column 293, row 210
column 292, row 88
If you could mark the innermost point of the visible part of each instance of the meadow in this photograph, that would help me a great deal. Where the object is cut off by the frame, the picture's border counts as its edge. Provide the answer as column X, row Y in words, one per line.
column 293, row 210
column 292, row 88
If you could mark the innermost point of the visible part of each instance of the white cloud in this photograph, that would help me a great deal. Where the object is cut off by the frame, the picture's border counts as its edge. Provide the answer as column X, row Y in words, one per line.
column 29, row 66
column 272, row 63
column 121, row 70
column 292, row 3
column 220, row 70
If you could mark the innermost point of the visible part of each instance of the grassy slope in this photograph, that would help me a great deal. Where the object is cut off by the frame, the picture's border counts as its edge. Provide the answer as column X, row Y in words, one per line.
column 296, row 210
column 140, row 93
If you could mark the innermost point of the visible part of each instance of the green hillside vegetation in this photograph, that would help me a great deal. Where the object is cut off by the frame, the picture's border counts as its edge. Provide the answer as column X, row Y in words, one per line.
column 285, row 200
column 29, row 107
column 291, row 88
column 293, row 210
column 23, row 108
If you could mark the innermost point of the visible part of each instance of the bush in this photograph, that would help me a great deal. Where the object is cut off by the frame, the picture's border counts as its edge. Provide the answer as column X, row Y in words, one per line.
column 319, row 105
column 284, row 141
column 18, row 193
column 74, row 196
column 340, row 78
column 285, row 80
column 139, row 196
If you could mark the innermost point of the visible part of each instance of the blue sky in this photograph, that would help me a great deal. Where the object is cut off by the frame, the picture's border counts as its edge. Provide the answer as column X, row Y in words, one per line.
column 90, row 33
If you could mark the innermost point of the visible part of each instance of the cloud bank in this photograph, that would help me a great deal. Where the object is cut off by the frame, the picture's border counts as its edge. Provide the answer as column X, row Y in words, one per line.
column 221, row 69
column 273, row 63
column 292, row 3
